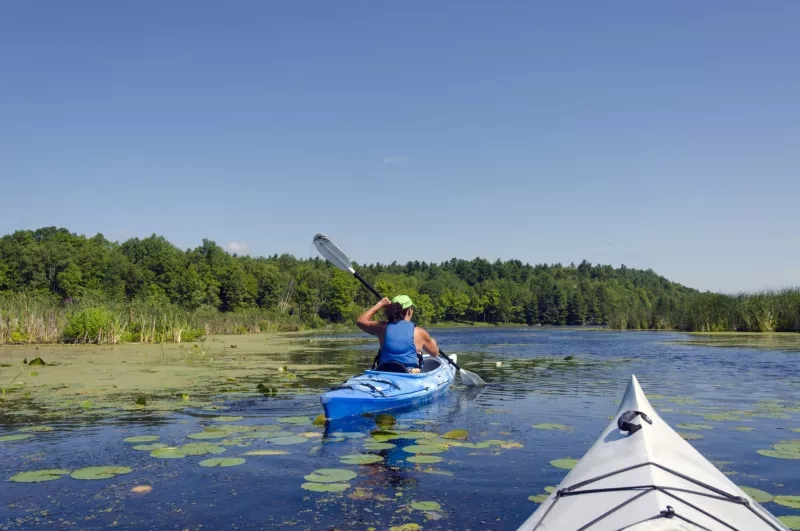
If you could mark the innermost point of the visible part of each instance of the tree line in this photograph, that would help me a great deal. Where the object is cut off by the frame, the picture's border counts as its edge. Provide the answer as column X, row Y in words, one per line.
column 70, row 275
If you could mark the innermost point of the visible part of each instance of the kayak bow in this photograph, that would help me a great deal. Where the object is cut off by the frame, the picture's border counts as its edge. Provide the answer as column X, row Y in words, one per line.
column 640, row 474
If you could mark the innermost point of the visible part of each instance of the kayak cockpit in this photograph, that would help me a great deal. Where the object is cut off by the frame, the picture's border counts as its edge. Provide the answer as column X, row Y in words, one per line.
column 429, row 365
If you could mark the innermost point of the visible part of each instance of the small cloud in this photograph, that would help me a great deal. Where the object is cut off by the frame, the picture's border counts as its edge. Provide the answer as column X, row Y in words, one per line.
column 394, row 159
column 237, row 247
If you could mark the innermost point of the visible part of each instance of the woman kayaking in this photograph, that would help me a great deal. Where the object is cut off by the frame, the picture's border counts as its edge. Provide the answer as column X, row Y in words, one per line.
column 400, row 340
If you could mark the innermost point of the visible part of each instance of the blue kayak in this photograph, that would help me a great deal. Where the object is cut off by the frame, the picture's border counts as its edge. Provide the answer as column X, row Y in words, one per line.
column 374, row 391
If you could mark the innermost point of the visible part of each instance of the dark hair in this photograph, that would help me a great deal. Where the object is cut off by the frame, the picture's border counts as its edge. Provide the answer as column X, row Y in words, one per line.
column 395, row 312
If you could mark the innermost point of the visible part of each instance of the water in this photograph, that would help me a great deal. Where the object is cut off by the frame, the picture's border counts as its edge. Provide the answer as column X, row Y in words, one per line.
column 477, row 488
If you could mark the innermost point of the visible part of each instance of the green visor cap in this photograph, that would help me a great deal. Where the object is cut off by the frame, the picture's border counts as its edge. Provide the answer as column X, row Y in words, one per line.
column 404, row 301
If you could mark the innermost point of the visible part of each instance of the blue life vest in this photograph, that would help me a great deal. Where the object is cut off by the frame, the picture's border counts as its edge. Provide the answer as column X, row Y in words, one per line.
column 398, row 344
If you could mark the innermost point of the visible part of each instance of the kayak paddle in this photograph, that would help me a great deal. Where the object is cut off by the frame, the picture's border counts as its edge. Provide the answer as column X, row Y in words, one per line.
column 336, row 256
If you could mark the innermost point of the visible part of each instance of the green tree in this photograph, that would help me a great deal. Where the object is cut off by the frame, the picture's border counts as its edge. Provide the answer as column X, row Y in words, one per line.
column 576, row 308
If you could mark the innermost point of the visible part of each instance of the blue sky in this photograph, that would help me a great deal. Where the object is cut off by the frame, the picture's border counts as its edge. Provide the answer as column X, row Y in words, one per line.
column 658, row 135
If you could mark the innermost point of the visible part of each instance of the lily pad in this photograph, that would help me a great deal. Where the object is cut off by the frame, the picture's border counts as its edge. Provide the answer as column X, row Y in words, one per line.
column 149, row 447
column 210, row 434
column 792, row 522
column 459, row 435
column 788, row 501
column 385, row 420
column 214, row 408
column 550, row 489
column 793, row 429
column 170, row 452
column 691, row 436
column 426, row 506
column 437, row 472
column 99, row 472
column 475, row 446
column 417, row 434
column 264, row 434
column 298, row 421
column 783, row 450
column 141, row 439
column 201, row 449
column 222, row 461
column 427, row 459
column 37, row 476
column 778, row 455
column 424, row 449
column 37, row 361
column 226, row 418
column 267, row 452
column 539, row 498
column 319, row 420
column 331, row 475
column 325, row 487
column 743, row 428
column 566, row 463
column 15, row 437
column 360, row 459
column 360, row 494
column 35, row 429
column 289, row 439
column 718, row 417
column 348, row 434
column 758, row 495
column 561, row 427
column 691, row 426
column 378, row 446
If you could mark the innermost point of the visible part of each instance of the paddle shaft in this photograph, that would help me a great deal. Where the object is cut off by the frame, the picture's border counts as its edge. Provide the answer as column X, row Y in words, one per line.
column 375, row 292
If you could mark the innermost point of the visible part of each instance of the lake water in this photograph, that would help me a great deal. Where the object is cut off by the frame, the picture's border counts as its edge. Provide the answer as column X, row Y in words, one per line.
column 529, row 383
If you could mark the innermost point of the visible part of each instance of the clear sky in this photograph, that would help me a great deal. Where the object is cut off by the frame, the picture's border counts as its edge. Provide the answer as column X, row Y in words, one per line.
column 661, row 135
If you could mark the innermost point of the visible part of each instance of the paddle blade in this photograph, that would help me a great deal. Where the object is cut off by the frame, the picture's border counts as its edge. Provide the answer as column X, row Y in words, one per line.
column 471, row 379
column 331, row 253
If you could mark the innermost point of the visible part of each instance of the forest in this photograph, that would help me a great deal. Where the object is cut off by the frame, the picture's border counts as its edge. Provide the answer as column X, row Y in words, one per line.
column 58, row 286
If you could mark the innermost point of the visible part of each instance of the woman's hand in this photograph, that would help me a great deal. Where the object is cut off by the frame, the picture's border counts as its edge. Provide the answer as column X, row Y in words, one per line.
column 384, row 302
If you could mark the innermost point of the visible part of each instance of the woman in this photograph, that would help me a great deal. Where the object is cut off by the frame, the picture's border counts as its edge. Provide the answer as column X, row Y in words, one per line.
column 399, row 338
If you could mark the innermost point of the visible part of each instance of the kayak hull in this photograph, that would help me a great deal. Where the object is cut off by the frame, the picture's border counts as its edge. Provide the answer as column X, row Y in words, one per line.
column 646, row 477
column 376, row 391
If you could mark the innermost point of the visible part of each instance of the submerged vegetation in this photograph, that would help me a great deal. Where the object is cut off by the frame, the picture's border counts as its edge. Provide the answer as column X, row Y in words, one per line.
column 56, row 286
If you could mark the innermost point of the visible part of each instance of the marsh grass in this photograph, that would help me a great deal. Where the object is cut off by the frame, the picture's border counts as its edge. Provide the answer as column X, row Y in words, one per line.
column 29, row 319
